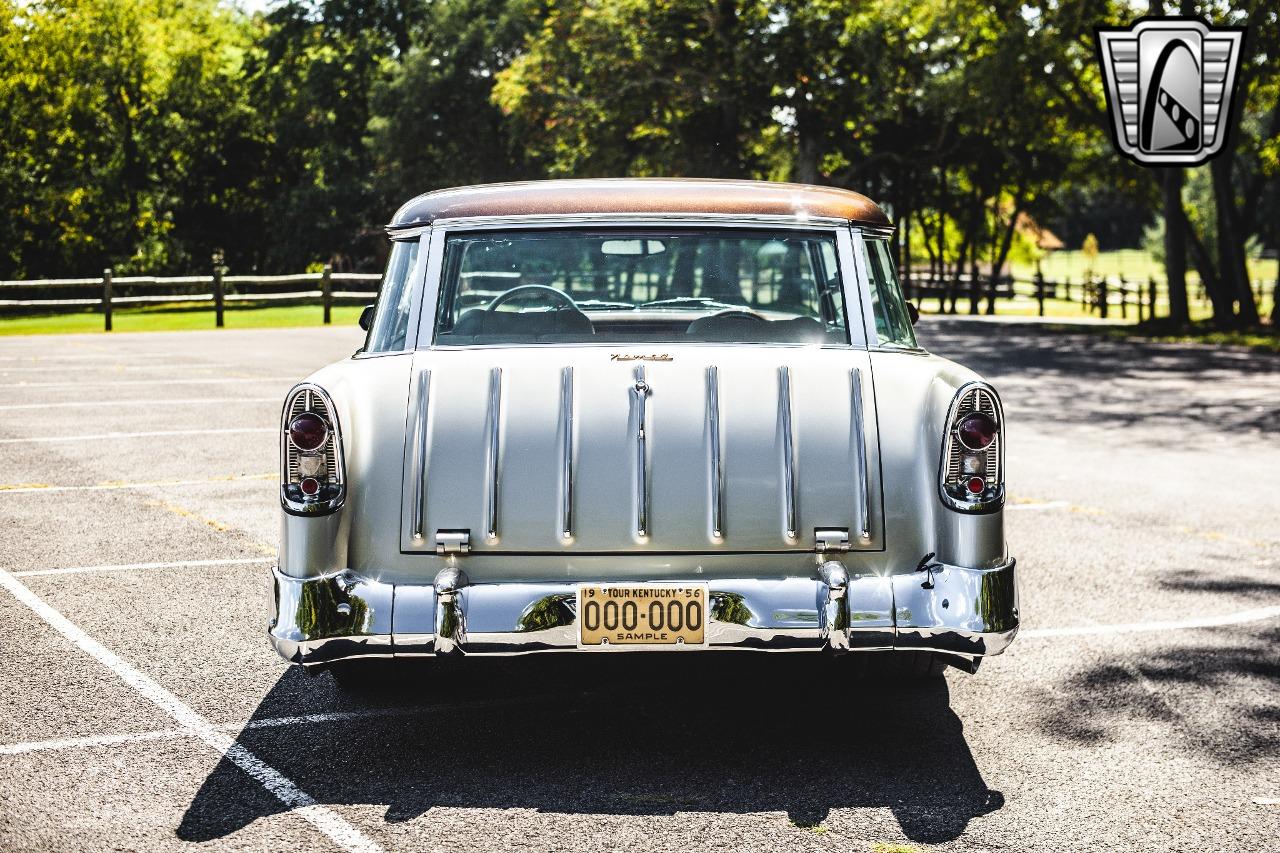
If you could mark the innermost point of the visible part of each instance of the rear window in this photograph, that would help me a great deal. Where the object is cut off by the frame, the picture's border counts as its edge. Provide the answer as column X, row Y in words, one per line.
column 614, row 285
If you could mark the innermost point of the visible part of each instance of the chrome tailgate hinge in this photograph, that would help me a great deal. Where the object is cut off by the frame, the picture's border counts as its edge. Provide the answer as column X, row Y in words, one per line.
column 453, row 541
column 830, row 539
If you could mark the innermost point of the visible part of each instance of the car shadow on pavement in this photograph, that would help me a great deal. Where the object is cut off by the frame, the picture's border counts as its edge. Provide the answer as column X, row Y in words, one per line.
column 616, row 734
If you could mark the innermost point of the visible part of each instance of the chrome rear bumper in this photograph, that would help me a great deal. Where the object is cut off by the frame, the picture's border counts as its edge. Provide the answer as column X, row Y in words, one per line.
column 965, row 612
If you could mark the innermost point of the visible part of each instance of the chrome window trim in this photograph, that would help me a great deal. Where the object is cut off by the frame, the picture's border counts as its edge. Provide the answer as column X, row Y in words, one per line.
column 856, row 287
column 897, row 349
column 407, row 232
column 877, row 232
column 429, row 295
column 561, row 220
column 443, row 228
column 993, row 499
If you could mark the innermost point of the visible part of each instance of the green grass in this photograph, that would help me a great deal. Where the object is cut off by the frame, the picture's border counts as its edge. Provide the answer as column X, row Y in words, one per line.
column 1130, row 263
column 1020, row 307
column 175, row 318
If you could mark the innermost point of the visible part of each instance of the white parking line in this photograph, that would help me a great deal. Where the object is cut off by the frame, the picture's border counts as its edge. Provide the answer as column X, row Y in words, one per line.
column 112, row 382
column 327, row 821
column 190, row 401
column 118, row 366
column 92, row 354
column 126, row 567
column 27, row 488
column 93, row 741
column 1238, row 618
column 172, row 734
column 89, row 742
column 103, row 436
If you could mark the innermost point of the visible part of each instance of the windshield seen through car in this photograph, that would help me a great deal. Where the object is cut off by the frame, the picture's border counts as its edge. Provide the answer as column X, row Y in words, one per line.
column 726, row 285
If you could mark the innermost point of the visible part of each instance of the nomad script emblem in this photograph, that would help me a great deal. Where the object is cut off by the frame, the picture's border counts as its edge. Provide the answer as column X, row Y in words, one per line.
column 1170, row 83
column 617, row 356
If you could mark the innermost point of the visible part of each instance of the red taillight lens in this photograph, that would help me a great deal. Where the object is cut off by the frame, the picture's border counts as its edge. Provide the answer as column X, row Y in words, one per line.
column 308, row 431
column 310, row 486
column 976, row 430
column 975, row 485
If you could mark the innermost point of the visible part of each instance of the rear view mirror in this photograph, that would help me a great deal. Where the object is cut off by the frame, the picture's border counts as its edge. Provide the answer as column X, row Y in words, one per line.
column 366, row 318
column 633, row 247
column 913, row 312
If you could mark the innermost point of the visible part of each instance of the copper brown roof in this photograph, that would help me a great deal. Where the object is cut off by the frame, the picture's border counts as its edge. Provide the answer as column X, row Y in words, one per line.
column 640, row 196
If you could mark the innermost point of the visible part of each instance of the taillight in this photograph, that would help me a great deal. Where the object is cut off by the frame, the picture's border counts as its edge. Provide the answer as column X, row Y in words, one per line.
column 976, row 430
column 971, row 476
column 308, row 431
column 312, row 469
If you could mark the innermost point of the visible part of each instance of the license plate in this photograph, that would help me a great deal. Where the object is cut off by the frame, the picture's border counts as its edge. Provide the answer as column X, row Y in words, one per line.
column 660, row 615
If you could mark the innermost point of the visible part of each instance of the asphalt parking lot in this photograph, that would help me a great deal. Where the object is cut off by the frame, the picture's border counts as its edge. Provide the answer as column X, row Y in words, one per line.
column 142, row 707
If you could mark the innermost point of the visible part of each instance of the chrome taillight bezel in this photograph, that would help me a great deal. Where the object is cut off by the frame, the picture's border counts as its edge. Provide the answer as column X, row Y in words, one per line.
column 952, row 481
column 308, row 397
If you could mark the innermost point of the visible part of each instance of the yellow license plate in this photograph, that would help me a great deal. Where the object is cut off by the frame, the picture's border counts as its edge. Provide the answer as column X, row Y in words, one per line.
column 642, row 615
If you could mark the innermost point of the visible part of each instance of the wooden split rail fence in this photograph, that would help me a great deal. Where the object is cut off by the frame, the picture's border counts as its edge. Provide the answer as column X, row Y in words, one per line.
column 1105, row 296
column 222, row 291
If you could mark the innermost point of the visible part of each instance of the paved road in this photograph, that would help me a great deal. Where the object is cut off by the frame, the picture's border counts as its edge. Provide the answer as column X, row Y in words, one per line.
column 142, row 708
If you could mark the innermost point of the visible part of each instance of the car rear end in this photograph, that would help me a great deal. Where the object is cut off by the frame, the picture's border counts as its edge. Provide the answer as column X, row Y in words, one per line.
column 647, row 466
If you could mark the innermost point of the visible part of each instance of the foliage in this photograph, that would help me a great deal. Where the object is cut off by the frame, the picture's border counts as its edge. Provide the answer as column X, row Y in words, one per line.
column 115, row 138
column 147, row 134
column 643, row 87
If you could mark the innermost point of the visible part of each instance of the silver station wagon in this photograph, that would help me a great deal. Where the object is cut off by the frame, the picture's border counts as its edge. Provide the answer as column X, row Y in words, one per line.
column 660, row 415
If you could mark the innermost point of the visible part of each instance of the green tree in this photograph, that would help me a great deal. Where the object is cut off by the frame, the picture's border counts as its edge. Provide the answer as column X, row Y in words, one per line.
column 641, row 87
column 434, row 124
column 113, row 110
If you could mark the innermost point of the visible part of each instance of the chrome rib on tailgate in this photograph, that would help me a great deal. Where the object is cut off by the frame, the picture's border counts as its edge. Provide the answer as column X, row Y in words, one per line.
column 684, row 450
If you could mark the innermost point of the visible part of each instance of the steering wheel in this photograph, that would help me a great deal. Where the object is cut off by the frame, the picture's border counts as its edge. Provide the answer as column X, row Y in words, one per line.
column 565, row 300
column 736, row 313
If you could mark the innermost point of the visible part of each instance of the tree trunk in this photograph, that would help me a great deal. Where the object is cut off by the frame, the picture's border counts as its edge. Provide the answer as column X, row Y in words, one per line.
column 954, row 288
column 682, row 274
column 1232, row 268
column 805, row 169
column 1223, row 310
column 1175, row 245
column 905, row 267
column 1006, row 244
column 727, row 156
